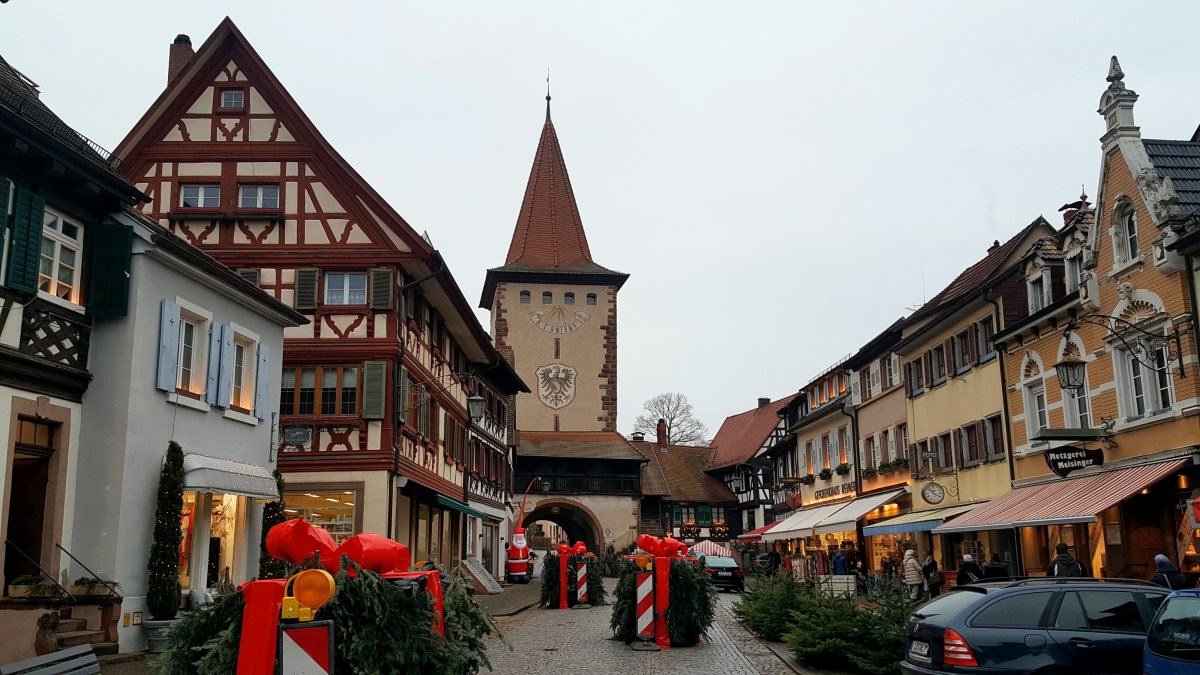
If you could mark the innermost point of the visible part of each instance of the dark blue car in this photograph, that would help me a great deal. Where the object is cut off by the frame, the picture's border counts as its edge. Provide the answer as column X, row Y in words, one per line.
column 1173, row 642
column 1037, row 625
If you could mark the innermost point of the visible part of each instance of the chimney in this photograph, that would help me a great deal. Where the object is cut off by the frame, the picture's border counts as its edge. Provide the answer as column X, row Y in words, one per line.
column 181, row 53
column 764, row 402
column 995, row 245
column 662, row 433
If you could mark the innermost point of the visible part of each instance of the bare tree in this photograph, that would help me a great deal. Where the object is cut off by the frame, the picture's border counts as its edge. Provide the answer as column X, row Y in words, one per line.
column 682, row 427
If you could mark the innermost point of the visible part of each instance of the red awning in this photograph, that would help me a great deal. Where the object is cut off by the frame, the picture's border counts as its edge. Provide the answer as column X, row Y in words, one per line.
column 756, row 534
column 1073, row 500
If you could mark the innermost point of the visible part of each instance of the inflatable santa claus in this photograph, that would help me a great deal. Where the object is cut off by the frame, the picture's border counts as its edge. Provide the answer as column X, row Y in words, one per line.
column 517, row 569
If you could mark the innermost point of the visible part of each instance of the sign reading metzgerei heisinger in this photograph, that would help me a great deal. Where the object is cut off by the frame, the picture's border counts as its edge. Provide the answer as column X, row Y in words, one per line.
column 1063, row 461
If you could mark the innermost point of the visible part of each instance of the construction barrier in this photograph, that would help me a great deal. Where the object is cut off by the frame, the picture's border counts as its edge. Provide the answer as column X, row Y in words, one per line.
column 581, row 587
column 645, row 606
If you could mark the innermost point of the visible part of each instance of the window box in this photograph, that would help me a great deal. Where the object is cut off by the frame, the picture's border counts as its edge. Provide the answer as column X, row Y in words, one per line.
column 869, row 472
column 842, row 469
column 807, row 480
column 825, row 474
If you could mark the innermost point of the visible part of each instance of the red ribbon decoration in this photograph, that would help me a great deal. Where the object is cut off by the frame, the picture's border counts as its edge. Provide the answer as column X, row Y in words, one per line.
column 564, row 552
column 664, row 550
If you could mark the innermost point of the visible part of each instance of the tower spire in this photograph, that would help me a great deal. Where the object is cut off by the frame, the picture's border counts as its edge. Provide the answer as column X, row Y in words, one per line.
column 547, row 94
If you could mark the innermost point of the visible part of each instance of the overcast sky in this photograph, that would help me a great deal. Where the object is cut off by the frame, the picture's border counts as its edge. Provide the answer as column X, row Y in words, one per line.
column 781, row 180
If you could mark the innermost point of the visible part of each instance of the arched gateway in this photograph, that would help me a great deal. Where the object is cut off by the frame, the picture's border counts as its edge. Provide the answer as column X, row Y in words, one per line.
column 576, row 520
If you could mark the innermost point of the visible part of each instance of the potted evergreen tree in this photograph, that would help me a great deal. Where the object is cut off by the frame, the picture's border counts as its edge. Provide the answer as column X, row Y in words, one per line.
column 268, row 567
column 162, row 571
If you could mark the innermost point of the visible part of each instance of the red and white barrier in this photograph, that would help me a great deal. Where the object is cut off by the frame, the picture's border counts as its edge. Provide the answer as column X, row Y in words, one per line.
column 581, row 589
column 645, row 605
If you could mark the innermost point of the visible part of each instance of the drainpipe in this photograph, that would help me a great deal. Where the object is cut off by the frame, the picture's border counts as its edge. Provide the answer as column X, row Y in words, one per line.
column 1019, row 561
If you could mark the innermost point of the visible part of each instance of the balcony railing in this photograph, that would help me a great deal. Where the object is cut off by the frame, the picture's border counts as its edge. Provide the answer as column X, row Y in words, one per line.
column 586, row 484
column 55, row 334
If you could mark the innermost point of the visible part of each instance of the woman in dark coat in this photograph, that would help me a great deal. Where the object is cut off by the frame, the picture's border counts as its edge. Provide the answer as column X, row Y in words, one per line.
column 1167, row 574
column 933, row 579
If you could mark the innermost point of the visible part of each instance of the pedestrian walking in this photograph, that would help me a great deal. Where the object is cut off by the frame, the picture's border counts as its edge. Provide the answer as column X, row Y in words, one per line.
column 994, row 569
column 933, row 576
column 913, row 578
column 1167, row 574
column 969, row 571
column 841, row 565
column 1065, row 564
column 774, row 560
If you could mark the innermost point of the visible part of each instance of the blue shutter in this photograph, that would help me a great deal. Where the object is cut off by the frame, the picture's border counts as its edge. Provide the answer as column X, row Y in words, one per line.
column 168, row 345
column 212, row 383
column 225, row 384
column 262, row 381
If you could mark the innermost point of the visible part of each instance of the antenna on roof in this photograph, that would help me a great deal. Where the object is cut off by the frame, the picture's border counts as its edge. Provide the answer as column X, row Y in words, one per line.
column 547, row 94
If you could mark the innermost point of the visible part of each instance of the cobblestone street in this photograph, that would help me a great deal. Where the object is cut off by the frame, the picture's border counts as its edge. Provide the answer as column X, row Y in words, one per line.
column 577, row 641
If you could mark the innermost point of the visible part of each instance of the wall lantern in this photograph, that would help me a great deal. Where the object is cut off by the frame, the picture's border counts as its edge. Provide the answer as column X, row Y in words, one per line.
column 475, row 405
column 1071, row 371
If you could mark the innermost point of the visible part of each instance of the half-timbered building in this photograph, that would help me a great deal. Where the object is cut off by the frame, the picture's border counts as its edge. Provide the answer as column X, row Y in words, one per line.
column 373, row 423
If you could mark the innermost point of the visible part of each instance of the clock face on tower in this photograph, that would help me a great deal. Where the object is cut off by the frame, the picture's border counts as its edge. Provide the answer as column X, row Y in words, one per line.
column 558, row 321
column 933, row 493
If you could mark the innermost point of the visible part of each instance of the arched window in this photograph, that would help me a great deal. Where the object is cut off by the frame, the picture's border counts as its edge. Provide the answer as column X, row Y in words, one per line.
column 568, row 298
column 591, row 298
column 547, row 298
column 1127, row 234
column 524, row 297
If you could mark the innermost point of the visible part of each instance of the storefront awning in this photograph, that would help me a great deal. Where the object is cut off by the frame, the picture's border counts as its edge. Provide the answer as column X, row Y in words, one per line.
column 846, row 518
column 918, row 521
column 459, row 506
column 202, row 473
column 799, row 524
column 1072, row 500
column 757, row 533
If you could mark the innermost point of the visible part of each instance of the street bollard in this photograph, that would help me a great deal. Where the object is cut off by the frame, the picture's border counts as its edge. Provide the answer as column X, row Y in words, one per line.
column 581, row 587
column 645, row 613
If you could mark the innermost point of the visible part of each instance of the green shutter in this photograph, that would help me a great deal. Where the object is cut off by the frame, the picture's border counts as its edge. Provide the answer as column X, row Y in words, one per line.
column 374, row 385
column 110, row 269
column 305, row 293
column 25, row 252
column 676, row 516
column 5, row 186
column 704, row 516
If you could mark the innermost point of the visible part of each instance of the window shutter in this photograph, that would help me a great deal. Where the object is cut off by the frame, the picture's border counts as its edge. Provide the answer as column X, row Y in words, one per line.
column 213, row 383
column 948, row 354
column 676, row 516
column 225, row 378
column 855, row 389
column 927, row 359
column 403, row 397
column 168, row 345
column 897, row 373
column 891, row 434
column 374, row 385
column 5, row 187
column 109, row 270
column 704, row 516
column 381, row 288
column 251, row 274
column 262, row 381
column 306, row 289
column 24, row 254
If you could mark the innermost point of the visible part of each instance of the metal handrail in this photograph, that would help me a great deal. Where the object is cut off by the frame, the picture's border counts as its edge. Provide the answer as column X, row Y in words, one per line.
column 112, row 587
column 49, row 576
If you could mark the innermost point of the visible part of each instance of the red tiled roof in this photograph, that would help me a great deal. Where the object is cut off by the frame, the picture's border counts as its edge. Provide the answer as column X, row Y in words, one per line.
column 549, row 232
column 576, row 445
column 682, row 470
column 741, row 435
column 983, row 270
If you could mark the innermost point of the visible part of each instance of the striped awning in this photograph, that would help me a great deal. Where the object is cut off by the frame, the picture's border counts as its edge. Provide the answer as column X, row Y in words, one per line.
column 757, row 533
column 917, row 521
column 1072, row 500
column 709, row 547
column 799, row 524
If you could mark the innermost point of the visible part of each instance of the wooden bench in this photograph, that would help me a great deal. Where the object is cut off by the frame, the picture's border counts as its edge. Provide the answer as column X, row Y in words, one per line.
column 70, row 661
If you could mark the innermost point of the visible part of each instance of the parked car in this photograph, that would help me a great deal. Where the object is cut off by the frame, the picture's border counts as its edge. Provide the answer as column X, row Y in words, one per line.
column 725, row 572
column 1173, row 641
column 1037, row 625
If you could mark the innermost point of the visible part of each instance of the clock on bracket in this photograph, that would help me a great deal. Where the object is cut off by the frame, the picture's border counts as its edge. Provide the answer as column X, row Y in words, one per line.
column 933, row 493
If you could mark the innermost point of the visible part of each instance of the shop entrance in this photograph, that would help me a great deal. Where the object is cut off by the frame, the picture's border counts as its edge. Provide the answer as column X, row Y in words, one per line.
column 27, row 498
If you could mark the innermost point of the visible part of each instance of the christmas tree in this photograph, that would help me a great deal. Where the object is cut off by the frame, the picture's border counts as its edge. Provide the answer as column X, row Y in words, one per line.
column 162, row 594
column 268, row 567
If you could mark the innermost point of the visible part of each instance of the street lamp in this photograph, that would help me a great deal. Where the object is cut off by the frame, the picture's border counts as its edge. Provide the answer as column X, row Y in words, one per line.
column 1071, row 371
column 475, row 405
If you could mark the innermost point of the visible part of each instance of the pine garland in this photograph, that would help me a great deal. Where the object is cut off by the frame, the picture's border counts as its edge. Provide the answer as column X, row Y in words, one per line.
column 691, row 612
column 268, row 567
column 204, row 642
column 162, row 570
column 549, row 594
column 595, row 583
column 624, row 612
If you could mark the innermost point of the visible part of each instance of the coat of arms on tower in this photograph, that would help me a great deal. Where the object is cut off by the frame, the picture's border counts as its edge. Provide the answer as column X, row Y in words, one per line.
column 556, row 385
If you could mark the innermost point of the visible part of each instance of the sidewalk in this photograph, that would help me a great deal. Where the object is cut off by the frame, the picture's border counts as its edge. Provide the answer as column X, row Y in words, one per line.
column 514, row 599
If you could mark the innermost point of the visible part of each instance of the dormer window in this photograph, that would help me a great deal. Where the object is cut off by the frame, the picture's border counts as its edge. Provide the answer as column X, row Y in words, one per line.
column 1073, row 269
column 1128, row 233
column 233, row 99
column 1037, row 294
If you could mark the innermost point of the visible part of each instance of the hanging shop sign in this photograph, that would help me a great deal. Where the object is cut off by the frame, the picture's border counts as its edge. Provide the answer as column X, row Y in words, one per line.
column 1063, row 461
column 297, row 435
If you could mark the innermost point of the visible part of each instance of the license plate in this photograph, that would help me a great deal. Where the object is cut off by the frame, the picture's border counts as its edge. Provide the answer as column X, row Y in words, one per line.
column 919, row 650
column 724, row 574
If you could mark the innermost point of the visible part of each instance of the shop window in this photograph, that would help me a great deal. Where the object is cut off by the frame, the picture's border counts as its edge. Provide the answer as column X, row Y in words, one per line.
column 210, row 561
column 334, row 510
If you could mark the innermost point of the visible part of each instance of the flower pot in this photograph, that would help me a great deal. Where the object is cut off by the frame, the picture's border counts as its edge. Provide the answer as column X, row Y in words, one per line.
column 156, row 634
column 31, row 592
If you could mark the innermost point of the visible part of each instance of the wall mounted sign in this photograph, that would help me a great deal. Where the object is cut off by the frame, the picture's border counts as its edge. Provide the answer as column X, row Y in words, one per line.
column 836, row 491
column 297, row 435
column 1063, row 461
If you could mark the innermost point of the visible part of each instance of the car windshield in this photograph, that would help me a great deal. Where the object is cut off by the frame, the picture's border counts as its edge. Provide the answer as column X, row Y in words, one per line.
column 1175, row 631
column 949, row 605
column 719, row 561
